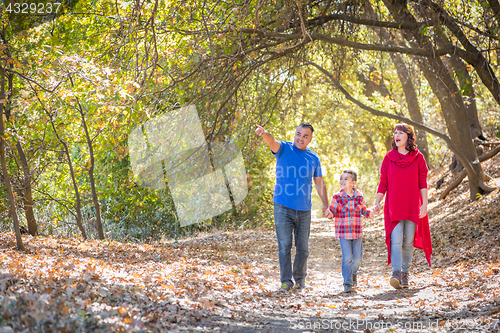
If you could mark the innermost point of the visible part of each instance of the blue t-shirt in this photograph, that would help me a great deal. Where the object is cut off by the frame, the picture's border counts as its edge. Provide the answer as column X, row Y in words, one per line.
column 295, row 169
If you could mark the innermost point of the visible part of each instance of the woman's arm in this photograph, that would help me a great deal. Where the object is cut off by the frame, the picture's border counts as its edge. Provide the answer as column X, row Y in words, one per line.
column 422, row 184
column 383, row 184
column 423, row 208
column 378, row 199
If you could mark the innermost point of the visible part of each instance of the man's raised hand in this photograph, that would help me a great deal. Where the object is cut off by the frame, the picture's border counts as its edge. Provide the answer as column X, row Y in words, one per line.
column 260, row 130
column 268, row 138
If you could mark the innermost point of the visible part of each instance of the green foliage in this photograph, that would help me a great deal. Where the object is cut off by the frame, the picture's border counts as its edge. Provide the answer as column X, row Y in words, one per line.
column 124, row 63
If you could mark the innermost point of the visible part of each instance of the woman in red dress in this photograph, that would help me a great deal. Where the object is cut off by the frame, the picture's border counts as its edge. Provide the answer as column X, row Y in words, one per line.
column 403, row 176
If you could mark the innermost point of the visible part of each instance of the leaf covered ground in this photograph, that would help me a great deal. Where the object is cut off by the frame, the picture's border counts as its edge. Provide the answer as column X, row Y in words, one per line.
column 227, row 281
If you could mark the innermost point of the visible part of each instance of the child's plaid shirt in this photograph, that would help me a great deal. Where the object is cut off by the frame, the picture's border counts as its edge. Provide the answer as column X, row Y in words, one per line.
column 347, row 212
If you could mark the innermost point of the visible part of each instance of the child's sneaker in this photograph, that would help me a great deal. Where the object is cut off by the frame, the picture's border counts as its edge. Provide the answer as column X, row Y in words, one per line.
column 285, row 287
column 354, row 280
column 302, row 285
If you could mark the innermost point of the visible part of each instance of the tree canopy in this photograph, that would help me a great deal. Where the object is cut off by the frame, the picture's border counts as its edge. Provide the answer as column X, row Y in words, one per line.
column 75, row 83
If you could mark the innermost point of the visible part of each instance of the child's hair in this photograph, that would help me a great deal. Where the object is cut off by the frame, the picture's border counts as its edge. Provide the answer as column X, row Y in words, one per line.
column 352, row 173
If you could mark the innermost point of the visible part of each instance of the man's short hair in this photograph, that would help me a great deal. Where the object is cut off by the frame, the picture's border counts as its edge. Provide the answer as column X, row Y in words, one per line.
column 307, row 125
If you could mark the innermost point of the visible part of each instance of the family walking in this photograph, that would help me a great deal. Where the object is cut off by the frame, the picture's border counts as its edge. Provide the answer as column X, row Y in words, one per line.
column 403, row 182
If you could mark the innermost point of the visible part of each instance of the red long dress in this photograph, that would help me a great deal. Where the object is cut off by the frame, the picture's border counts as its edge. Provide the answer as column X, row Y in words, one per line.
column 402, row 177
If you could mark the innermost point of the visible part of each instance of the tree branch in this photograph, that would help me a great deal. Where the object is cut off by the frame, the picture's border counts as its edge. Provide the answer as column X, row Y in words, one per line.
column 463, row 173
column 60, row 202
column 495, row 8
column 465, row 162
column 471, row 54
column 448, row 49
column 318, row 21
column 35, row 82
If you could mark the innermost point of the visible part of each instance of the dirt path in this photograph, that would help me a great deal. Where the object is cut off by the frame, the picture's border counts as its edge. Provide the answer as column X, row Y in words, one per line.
column 431, row 304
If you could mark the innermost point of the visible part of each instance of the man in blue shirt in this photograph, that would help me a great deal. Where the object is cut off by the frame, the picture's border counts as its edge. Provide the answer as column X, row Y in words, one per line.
column 296, row 167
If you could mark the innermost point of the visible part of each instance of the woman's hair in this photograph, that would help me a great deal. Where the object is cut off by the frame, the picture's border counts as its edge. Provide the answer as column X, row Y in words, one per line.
column 352, row 173
column 410, row 143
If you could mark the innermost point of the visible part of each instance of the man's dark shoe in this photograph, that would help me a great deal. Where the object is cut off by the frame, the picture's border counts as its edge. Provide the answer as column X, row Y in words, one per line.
column 396, row 279
column 405, row 283
column 347, row 288
column 354, row 280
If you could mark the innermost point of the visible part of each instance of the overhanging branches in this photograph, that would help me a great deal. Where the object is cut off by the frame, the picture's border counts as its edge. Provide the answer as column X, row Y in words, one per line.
column 285, row 37
column 465, row 162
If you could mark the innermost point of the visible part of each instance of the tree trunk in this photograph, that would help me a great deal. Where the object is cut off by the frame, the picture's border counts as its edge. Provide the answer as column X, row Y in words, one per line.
column 451, row 102
column 471, row 54
column 371, row 144
column 388, row 142
column 78, row 208
column 458, row 69
column 412, row 103
column 79, row 218
column 371, row 86
column 495, row 7
column 455, row 115
column 27, row 198
column 408, row 88
column 492, row 5
column 226, row 181
column 5, row 171
column 463, row 173
column 91, row 175
column 465, row 81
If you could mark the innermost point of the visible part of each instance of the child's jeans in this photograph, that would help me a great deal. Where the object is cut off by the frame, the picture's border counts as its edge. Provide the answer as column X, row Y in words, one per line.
column 402, row 237
column 352, row 254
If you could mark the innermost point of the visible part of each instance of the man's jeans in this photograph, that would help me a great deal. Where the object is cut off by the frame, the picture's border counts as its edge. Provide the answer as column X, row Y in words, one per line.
column 352, row 254
column 402, row 245
column 291, row 223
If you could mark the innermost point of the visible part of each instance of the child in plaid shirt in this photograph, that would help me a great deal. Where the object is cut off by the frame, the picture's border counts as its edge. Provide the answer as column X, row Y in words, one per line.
column 347, row 207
